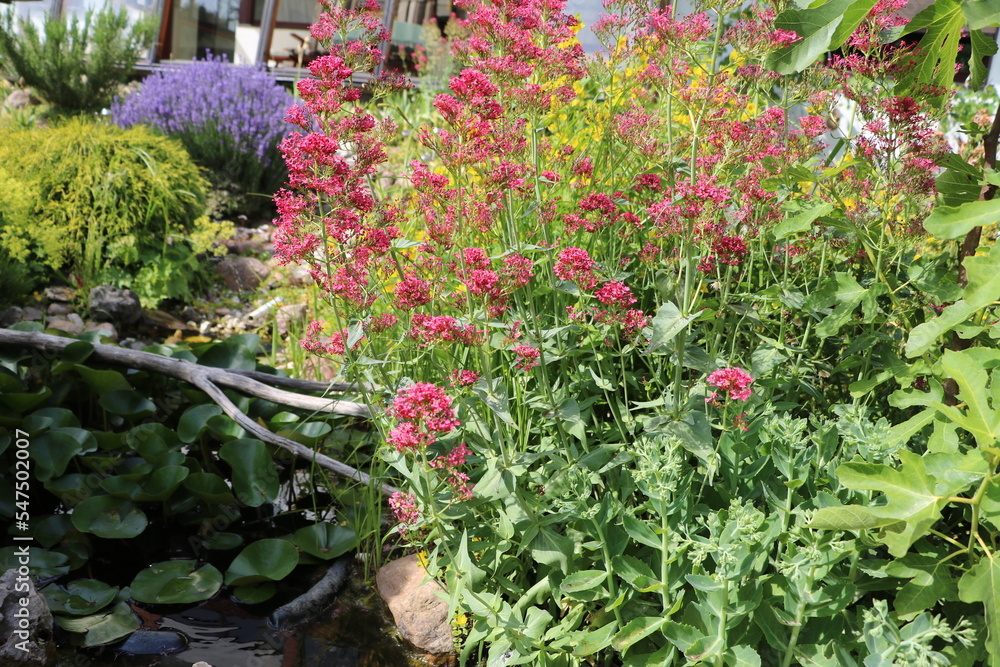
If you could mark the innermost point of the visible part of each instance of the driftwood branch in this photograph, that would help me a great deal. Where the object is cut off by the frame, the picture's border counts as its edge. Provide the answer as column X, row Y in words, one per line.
column 209, row 380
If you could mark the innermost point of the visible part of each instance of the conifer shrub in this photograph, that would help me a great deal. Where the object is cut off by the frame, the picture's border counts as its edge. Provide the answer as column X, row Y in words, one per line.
column 101, row 204
column 76, row 65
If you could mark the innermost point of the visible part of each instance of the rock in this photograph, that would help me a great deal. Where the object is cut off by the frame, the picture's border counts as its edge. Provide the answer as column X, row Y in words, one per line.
column 25, row 623
column 287, row 314
column 19, row 99
column 114, row 304
column 154, row 642
column 31, row 314
column 56, row 308
column 420, row 615
column 63, row 294
column 107, row 327
column 298, row 276
column 201, row 663
column 9, row 316
column 242, row 273
column 68, row 326
column 75, row 319
column 245, row 247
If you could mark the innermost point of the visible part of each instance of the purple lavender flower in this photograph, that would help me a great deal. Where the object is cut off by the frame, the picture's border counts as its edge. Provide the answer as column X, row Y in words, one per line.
column 229, row 118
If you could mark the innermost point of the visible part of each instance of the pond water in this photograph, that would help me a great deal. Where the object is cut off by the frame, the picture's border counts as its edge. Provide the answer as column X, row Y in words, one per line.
column 353, row 632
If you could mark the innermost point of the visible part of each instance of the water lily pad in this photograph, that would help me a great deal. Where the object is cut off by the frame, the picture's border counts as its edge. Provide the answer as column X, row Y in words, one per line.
column 307, row 433
column 52, row 529
column 127, row 403
column 224, row 428
column 255, row 593
column 176, row 582
column 223, row 541
column 77, row 352
column 121, row 487
column 325, row 540
column 262, row 561
column 255, row 479
column 103, row 381
column 41, row 563
column 152, row 441
column 51, row 452
column 24, row 401
column 163, row 482
column 102, row 628
column 109, row 517
column 71, row 489
column 209, row 487
column 238, row 352
column 46, row 418
column 195, row 420
column 80, row 597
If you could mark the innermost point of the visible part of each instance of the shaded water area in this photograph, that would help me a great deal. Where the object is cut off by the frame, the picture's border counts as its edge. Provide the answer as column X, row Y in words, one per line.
column 352, row 632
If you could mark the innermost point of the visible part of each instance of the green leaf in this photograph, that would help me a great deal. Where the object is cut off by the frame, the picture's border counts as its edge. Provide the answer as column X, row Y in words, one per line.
column 742, row 656
column 915, row 499
column 942, row 23
column 162, row 483
column 583, row 580
column 680, row 635
column 109, row 517
column 633, row 571
column 77, row 353
column 951, row 222
column 978, row 418
column 51, row 452
column 981, row 14
column 80, row 597
column 821, row 29
column 982, row 584
column 930, row 582
column 550, row 548
column 255, row 593
column 255, row 479
column 667, row 323
column 127, row 403
column 102, row 628
column 236, row 352
column 636, row 630
column 837, row 299
column 209, row 487
column 325, row 540
column 640, row 531
column 264, row 560
column 102, row 381
column 176, row 582
column 847, row 517
column 802, row 222
column 194, row 421
column 982, row 47
column 495, row 397
column 983, row 273
column 41, row 563
column 592, row 641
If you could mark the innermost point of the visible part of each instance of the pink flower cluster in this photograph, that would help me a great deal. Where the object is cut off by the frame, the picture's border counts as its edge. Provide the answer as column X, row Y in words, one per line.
column 423, row 410
column 527, row 356
column 456, row 479
column 734, row 381
column 575, row 265
column 404, row 508
column 436, row 329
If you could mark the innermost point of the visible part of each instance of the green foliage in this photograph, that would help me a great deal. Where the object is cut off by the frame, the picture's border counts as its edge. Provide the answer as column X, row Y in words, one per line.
column 77, row 66
column 103, row 204
column 99, row 477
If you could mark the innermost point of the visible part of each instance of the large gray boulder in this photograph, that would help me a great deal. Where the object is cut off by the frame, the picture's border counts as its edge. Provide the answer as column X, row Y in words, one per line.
column 25, row 623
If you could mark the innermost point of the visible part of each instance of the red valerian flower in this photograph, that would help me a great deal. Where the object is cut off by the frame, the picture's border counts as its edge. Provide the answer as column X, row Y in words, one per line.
column 734, row 381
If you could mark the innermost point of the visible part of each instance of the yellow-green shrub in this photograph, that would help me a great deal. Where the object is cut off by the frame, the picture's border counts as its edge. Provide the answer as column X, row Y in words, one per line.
column 102, row 204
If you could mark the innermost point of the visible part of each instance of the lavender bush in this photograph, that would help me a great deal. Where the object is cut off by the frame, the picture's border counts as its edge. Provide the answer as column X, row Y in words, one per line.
column 229, row 118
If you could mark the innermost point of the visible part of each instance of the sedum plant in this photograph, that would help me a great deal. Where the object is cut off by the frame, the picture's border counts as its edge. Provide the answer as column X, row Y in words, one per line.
column 76, row 65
